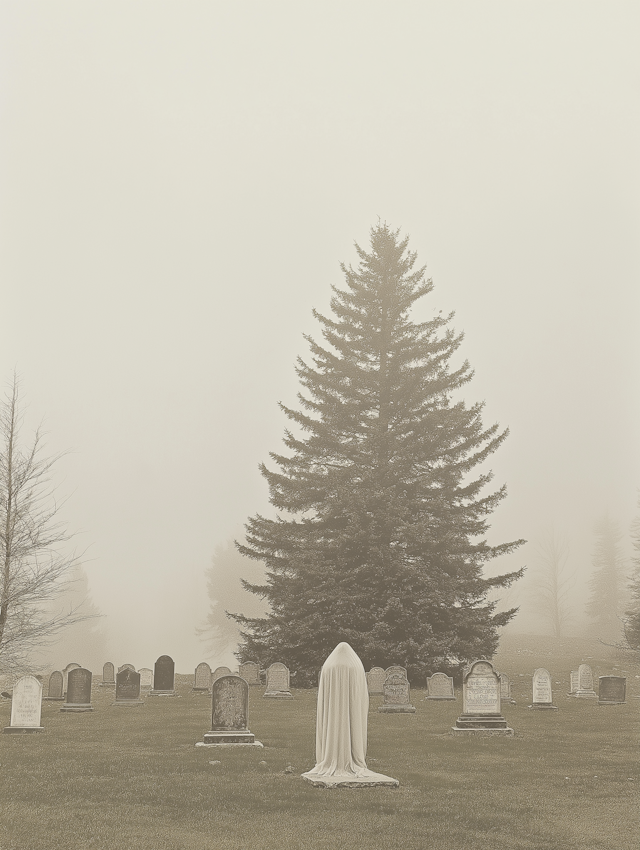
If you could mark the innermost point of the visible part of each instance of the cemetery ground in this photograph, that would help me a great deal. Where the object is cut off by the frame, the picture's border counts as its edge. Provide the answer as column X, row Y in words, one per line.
column 124, row 778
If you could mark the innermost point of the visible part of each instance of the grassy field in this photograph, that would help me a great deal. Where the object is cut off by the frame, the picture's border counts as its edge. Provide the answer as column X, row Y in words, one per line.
column 124, row 778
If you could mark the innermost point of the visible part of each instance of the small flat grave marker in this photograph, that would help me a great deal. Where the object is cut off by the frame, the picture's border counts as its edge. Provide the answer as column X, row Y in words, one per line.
column 278, row 682
column 375, row 680
column 612, row 690
column 56, row 686
column 229, row 715
column 202, row 677
column 396, row 695
column 163, row 677
column 78, row 691
column 26, row 706
column 440, row 686
column 542, row 693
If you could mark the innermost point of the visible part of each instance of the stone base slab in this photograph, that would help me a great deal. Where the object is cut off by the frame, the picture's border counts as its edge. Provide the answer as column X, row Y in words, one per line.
column 21, row 730
column 455, row 730
column 76, row 708
column 396, row 709
column 128, row 702
column 153, row 693
column 278, row 695
column 254, row 744
column 586, row 695
column 543, row 706
column 441, row 698
column 107, row 685
column 328, row 782
column 228, row 737
column 611, row 702
column 53, row 699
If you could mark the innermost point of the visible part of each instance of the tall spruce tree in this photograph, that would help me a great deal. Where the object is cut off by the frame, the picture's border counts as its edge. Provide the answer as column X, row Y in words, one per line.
column 607, row 581
column 379, row 537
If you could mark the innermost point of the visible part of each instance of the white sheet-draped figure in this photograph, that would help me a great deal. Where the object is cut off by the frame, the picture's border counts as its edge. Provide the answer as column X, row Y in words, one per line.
column 341, row 724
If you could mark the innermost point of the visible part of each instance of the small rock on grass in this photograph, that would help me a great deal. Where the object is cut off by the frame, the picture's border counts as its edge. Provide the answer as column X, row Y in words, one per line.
column 215, row 762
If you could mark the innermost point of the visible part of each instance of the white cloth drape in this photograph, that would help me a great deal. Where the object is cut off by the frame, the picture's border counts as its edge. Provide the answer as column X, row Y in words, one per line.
column 341, row 723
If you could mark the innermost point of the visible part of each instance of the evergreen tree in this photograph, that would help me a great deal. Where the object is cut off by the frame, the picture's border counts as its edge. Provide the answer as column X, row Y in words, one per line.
column 379, row 539
column 607, row 581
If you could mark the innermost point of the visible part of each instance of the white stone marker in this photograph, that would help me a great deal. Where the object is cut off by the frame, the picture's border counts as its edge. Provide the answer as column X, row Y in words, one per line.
column 26, row 706
column 542, row 694
column 278, row 682
column 585, row 683
column 341, row 725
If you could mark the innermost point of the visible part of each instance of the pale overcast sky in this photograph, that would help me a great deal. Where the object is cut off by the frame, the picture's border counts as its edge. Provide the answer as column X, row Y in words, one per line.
column 179, row 184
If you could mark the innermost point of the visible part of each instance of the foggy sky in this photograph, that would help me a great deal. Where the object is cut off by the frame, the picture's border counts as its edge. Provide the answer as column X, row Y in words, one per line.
column 179, row 184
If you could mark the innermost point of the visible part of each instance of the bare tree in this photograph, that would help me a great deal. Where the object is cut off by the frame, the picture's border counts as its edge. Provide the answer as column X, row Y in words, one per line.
column 552, row 583
column 34, row 565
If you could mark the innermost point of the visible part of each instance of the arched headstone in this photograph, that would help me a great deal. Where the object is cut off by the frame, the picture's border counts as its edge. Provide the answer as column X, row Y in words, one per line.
column 26, row 706
column 128, row 688
column 218, row 672
column 202, row 677
column 56, row 686
column 65, row 673
column 396, row 695
column 78, row 691
column 250, row 672
column 440, row 686
column 278, row 682
column 229, row 714
column 542, row 693
column 375, row 680
column 163, row 677
column 108, row 676
column 481, row 702
column 585, row 683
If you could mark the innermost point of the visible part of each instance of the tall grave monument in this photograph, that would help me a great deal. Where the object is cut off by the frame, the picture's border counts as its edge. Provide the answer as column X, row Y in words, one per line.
column 163, row 678
column 481, row 703
column 229, row 715
column 26, row 706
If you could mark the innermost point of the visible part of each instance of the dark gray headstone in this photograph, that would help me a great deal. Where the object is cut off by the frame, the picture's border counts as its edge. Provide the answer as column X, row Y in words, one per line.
column 612, row 690
column 163, row 675
column 78, row 691
column 128, row 688
column 125, row 667
column 396, row 695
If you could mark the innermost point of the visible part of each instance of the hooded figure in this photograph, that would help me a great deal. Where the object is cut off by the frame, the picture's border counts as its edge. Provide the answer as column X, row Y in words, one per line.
column 341, row 724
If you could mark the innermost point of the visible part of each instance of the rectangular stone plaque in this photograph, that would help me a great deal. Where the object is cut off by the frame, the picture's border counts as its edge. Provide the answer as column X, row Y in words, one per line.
column 612, row 689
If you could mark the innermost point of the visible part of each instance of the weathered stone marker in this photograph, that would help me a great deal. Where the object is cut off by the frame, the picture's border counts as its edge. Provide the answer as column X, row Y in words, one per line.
column 375, row 681
column 66, row 671
column 128, row 688
column 126, row 667
column 163, row 677
column 202, row 677
column 481, row 703
column 585, row 683
column 505, row 689
column 396, row 695
column 78, row 691
column 542, row 693
column 250, row 672
column 440, row 686
column 612, row 690
column 229, row 714
column 146, row 677
column 108, row 676
column 56, row 686
column 573, row 681
column 395, row 668
column 278, row 682
column 220, row 671
column 26, row 706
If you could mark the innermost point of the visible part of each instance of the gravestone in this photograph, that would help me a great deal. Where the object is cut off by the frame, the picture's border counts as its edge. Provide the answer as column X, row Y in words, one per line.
column 250, row 672
column 612, row 690
column 126, row 667
column 505, row 689
column 108, row 678
column 542, row 693
column 375, row 680
column 220, row 671
column 573, row 678
column 481, row 703
column 146, row 677
column 56, row 686
column 128, row 688
column 440, row 686
column 396, row 695
column 585, row 683
column 395, row 668
column 202, row 677
column 229, row 714
column 26, row 706
column 78, row 691
column 278, row 682
column 163, row 677
column 65, row 673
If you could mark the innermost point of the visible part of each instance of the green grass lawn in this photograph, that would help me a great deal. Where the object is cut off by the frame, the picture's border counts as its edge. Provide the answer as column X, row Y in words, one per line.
column 124, row 778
